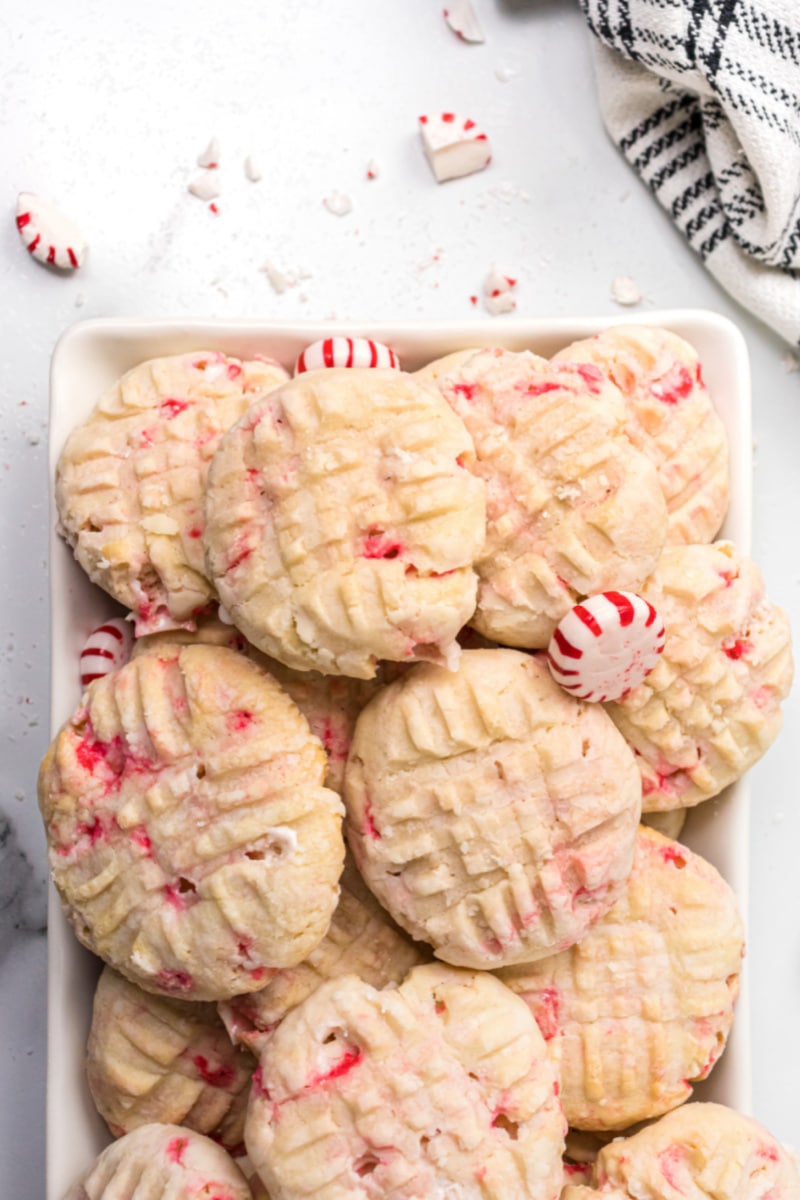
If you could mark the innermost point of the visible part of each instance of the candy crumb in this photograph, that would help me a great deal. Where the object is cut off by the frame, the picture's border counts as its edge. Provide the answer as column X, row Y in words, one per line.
column 206, row 186
column 373, row 170
column 497, row 293
column 210, row 156
column 252, row 170
column 338, row 203
column 625, row 291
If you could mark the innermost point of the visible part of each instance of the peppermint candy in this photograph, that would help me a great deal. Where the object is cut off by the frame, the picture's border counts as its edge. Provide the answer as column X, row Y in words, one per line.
column 454, row 146
column 605, row 646
column 107, row 649
column 346, row 352
column 48, row 235
column 462, row 19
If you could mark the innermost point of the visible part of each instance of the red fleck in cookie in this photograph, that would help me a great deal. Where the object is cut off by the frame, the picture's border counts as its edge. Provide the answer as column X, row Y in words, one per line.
column 361, row 940
column 671, row 419
column 641, row 1008
column 162, row 1162
column 342, row 523
column 131, row 477
column 711, row 706
column 697, row 1150
column 150, row 1058
column 190, row 836
column 439, row 1087
column 493, row 815
column 572, row 507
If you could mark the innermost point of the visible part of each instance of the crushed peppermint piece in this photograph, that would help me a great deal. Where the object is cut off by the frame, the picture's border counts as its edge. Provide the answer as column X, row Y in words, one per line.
column 454, row 145
column 251, row 169
column 497, row 293
column 625, row 290
column 373, row 170
column 206, row 186
column 504, row 71
column 48, row 235
column 461, row 17
column 338, row 203
column 210, row 156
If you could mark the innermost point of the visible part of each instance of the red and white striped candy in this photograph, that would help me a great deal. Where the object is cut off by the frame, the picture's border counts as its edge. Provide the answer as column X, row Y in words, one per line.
column 605, row 646
column 454, row 145
column 107, row 649
column 346, row 352
column 48, row 235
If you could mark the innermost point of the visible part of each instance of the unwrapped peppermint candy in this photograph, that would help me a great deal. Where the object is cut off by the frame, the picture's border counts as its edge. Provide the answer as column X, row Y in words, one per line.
column 606, row 645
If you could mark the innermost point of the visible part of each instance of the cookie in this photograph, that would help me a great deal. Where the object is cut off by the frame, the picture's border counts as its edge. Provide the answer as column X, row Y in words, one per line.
column 152, row 1059
column 641, row 1008
column 697, row 1150
column 131, row 477
column 493, row 815
column 190, row 836
column 572, row 507
column 711, row 706
column 162, row 1162
column 342, row 523
column 670, row 821
column 439, row 1087
column 671, row 418
column 361, row 940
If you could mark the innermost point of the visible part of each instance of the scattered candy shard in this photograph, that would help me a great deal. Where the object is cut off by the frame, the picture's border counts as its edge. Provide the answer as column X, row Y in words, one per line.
column 48, row 235
column 462, row 19
column 625, row 290
column 206, row 186
column 373, row 170
column 505, row 71
column 606, row 646
column 454, row 145
column 346, row 352
column 210, row 156
column 338, row 203
column 107, row 649
column 497, row 293
column 251, row 169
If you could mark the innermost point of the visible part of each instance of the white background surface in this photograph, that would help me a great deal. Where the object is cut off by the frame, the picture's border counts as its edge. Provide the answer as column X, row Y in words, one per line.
column 104, row 108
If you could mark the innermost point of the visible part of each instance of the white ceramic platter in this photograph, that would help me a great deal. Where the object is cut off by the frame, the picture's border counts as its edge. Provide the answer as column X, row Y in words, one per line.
column 88, row 359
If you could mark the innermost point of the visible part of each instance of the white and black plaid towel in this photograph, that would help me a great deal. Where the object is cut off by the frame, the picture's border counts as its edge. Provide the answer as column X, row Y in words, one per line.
column 703, row 99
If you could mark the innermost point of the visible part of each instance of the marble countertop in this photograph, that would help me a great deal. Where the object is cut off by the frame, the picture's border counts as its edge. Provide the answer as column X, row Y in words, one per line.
column 105, row 108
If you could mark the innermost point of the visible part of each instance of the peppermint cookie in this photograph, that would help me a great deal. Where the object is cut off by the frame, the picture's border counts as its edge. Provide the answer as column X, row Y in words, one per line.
column 342, row 522
column 191, row 839
column 439, row 1087
column 641, row 1008
column 361, row 940
column 697, row 1150
column 711, row 706
column 493, row 815
column 572, row 507
column 162, row 1162
column 150, row 1059
column 671, row 419
column 130, row 479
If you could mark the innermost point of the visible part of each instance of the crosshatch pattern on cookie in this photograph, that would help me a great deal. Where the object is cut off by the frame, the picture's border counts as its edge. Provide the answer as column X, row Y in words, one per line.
column 491, row 813
column 640, row 1009
column 342, row 522
column 190, row 836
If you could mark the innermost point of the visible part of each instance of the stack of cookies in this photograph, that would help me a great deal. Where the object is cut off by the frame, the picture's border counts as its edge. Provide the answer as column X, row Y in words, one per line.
column 378, row 912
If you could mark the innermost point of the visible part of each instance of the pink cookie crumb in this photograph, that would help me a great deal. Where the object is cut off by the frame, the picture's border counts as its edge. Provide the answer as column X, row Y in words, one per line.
column 233, row 370
column 467, row 390
column 669, row 1161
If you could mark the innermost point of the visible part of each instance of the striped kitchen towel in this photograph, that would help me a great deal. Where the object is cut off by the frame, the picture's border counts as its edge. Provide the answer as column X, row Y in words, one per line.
column 703, row 99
